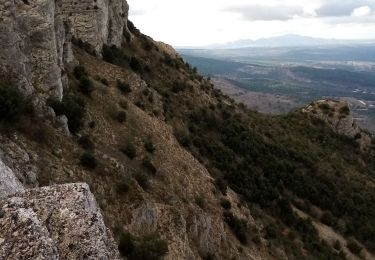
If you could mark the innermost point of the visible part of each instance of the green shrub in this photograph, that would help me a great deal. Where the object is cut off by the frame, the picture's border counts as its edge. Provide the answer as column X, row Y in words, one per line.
column 239, row 226
column 85, row 86
column 149, row 166
column 104, row 81
column 123, row 87
column 324, row 107
column 337, row 245
column 135, row 64
column 345, row 110
column 225, row 204
column 86, row 143
column 126, row 244
column 129, row 150
column 148, row 247
column 354, row 247
column 88, row 160
column 221, row 185
column 143, row 180
column 272, row 231
column 122, row 188
column 121, row 116
column 79, row 72
column 328, row 218
column 107, row 54
column 201, row 202
column 149, row 146
column 123, row 104
column 12, row 103
column 73, row 107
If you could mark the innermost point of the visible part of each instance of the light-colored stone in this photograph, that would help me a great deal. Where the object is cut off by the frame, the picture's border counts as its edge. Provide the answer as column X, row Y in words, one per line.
column 57, row 222
column 9, row 184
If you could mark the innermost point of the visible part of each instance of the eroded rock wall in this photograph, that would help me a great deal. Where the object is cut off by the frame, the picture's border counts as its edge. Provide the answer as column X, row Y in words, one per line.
column 35, row 39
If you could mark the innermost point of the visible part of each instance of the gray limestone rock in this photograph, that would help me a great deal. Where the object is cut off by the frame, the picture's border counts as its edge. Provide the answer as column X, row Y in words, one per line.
column 9, row 184
column 57, row 222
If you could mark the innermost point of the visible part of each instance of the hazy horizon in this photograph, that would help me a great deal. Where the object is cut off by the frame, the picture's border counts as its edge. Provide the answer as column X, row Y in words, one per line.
column 200, row 23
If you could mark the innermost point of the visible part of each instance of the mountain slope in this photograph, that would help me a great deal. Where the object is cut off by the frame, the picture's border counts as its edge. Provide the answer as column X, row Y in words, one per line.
column 181, row 171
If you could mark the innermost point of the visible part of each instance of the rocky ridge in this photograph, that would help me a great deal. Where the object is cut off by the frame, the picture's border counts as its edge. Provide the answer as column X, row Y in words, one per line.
column 337, row 114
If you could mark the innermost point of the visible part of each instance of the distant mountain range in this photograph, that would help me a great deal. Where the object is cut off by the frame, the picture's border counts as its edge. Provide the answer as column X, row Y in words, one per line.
column 289, row 40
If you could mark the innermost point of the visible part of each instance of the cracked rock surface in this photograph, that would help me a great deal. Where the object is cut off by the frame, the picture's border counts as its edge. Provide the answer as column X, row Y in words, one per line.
column 56, row 222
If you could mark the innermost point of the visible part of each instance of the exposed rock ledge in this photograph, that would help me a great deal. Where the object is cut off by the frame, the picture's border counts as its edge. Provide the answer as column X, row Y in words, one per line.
column 9, row 184
column 338, row 115
column 57, row 222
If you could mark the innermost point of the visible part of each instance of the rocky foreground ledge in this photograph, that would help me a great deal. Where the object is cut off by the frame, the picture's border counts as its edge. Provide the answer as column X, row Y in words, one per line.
column 56, row 222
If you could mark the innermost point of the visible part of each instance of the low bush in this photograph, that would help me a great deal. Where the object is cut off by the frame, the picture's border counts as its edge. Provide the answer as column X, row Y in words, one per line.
column 354, row 247
column 121, row 116
column 129, row 150
column 148, row 247
column 123, row 87
column 221, row 185
column 122, row 188
column 85, row 86
column 135, row 64
column 73, row 107
column 328, row 218
column 239, row 226
column 86, row 143
column 13, row 104
column 345, row 110
column 88, row 160
column 201, row 202
column 225, row 204
column 149, row 146
column 149, row 166
column 143, row 180
column 123, row 104
column 79, row 72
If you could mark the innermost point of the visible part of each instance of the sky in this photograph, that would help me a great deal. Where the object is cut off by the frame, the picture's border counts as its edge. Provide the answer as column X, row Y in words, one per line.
column 205, row 22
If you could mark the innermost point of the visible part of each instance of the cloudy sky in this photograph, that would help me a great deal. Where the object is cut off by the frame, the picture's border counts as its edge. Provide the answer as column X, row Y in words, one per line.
column 203, row 22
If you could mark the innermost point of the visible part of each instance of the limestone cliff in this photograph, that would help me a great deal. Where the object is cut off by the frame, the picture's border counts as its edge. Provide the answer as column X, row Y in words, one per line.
column 35, row 39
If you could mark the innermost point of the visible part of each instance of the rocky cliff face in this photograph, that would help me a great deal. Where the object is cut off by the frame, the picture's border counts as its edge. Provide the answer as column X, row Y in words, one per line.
column 57, row 222
column 35, row 39
column 337, row 114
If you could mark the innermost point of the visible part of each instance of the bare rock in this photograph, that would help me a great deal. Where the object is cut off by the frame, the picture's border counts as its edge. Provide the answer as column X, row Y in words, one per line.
column 57, row 222
column 96, row 22
column 338, row 116
column 9, row 184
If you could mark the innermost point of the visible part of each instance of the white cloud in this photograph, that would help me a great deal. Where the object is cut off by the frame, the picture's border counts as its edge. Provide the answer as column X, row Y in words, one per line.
column 361, row 11
column 201, row 22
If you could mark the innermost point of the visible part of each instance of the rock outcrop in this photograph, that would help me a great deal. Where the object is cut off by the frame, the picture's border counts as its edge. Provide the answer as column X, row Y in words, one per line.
column 337, row 114
column 57, row 222
column 9, row 184
column 35, row 39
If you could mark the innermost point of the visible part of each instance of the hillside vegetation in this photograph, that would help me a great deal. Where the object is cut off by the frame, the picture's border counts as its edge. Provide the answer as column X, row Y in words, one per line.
column 148, row 130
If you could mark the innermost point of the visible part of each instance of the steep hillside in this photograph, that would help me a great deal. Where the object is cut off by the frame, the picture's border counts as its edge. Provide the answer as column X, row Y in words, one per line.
column 179, row 170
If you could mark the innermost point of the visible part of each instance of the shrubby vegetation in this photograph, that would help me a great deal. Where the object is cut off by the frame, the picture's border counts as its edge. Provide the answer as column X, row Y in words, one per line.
column 88, row 160
column 129, row 150
column 85, row 84
column 239, row 226
column 148, row 247
column 13, row 104
column 73, row 107
column 123, row 87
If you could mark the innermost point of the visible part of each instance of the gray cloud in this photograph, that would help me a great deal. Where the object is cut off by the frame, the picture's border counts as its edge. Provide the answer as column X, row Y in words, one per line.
column 336, row 8
column 266, row 13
